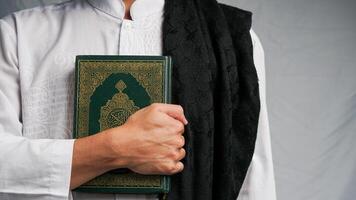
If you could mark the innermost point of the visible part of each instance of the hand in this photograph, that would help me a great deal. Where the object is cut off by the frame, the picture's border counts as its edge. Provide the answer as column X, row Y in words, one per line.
column 151, row 141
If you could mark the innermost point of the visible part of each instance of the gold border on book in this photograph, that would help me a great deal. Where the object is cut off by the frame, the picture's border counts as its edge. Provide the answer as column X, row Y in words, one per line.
column 150, row 74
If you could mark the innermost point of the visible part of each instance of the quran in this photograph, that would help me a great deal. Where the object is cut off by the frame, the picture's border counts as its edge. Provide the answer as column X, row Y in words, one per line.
column 108, row 89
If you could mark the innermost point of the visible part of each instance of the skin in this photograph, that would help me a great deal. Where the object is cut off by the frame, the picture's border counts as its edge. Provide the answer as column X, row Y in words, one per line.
column 128, row 4
column 150, row 142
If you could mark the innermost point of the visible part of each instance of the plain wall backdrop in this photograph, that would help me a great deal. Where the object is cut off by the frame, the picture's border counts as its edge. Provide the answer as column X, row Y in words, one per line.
column 310, row 51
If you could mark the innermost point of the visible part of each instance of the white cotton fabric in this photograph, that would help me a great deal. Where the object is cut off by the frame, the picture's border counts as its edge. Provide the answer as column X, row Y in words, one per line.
column 37, row 52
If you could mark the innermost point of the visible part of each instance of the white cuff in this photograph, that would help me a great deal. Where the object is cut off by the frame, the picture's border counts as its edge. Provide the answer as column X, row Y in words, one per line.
column 61, row 167
column 35, row 169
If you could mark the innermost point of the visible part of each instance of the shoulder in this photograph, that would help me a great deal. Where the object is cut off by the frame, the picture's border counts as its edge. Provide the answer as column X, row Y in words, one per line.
column 37, row 15
column 256, row 40
column 258, row 57
column 238, row 19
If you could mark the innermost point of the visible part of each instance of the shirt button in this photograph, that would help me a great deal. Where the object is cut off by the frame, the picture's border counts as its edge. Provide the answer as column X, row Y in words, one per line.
column 127, row 25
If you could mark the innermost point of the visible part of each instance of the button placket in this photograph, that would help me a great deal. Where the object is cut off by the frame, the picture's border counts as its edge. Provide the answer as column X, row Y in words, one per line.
column 126, row 30
column 127, row 24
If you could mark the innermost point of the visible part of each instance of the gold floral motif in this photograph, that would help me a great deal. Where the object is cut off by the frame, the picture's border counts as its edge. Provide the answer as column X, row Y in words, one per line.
column 117, row 110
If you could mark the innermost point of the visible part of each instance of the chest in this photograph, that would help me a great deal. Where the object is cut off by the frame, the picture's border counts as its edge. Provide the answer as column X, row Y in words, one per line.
column 47, row 67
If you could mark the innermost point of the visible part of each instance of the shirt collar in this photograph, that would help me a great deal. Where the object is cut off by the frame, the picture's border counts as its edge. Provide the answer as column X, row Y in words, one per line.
column 139, row 10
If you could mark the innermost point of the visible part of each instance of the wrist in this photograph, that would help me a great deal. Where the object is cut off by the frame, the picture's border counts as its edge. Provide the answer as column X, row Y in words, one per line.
column 115, row 148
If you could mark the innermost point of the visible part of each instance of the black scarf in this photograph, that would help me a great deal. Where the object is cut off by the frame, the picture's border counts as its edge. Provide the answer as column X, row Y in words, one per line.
column 215, row 80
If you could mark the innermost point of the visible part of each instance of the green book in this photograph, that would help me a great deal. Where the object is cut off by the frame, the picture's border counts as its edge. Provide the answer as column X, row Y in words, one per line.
column 108, row 90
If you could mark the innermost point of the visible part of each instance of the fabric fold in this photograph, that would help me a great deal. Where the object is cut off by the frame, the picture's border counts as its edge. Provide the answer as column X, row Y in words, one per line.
column 215, row 80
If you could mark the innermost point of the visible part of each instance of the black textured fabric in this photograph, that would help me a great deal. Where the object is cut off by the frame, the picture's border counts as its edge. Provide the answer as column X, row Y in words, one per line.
column 215, row 80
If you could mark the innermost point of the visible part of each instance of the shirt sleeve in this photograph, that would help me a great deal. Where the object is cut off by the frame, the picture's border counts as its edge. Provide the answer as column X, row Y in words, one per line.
column 259, row 182
column 29, row 168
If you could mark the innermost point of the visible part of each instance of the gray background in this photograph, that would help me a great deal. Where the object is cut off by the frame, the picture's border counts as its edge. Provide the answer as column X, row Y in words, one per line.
column 311, row 89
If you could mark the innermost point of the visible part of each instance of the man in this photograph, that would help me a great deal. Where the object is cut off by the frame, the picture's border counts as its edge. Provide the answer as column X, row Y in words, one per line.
column 38, row 160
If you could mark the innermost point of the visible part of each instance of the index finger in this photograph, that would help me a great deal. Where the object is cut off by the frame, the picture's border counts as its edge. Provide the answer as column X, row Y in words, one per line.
column 174, row 111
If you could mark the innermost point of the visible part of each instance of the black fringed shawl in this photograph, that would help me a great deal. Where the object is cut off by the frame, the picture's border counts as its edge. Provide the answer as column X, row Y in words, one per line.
column 215, row 80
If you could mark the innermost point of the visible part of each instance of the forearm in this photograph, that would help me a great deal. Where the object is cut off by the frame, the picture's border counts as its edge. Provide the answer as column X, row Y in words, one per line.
column 92, row 157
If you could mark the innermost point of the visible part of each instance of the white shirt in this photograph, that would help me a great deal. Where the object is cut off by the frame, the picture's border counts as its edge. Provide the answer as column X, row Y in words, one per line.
column 37, row 52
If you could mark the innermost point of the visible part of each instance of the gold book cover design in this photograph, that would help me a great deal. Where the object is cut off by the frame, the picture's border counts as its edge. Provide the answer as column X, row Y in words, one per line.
column 108, row 90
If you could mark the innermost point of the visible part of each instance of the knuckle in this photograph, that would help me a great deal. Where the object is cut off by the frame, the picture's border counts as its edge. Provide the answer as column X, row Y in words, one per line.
column 170, row 168
column 179, row 127
column 180, row 108
column 180, row 141
column 174, row 155
column 184, row 153
column 181, row 166
column 155, row 106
